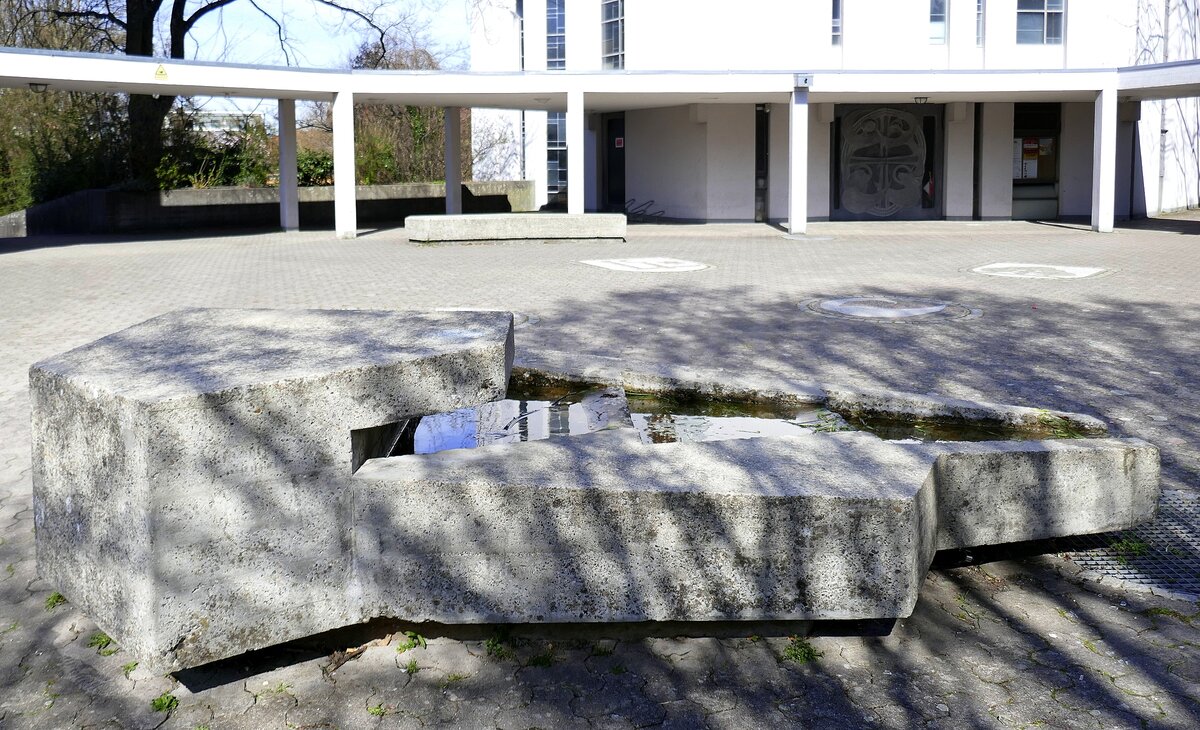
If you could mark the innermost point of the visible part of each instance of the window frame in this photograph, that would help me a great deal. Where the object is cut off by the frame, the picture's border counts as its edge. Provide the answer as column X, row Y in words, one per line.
column 939, row 22
column 612, row 59
column 1046, row 12
column 836, row 23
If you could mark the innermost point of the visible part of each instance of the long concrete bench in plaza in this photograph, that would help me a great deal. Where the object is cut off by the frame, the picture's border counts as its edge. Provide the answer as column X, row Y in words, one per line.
column 513, row 226
column 214, row 481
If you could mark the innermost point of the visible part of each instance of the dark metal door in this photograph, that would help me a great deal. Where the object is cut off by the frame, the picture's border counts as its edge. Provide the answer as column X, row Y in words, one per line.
column 614, row 162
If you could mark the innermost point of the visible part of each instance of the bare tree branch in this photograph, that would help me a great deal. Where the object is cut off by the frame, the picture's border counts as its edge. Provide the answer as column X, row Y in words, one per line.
column 369, row 19
column 283, row 43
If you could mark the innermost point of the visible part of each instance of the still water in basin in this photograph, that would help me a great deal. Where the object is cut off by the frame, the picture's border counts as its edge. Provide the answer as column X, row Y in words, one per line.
column 533, row 413
column 536, row 412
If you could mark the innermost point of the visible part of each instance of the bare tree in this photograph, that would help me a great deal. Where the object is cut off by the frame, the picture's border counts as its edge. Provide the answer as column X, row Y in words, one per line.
column 130, row 27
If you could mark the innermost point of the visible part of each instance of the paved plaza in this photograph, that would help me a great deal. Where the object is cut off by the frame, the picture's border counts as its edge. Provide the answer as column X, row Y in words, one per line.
column 1092, row 634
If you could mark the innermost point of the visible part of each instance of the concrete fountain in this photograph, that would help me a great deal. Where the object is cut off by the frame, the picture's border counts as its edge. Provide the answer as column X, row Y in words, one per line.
column 210, row 482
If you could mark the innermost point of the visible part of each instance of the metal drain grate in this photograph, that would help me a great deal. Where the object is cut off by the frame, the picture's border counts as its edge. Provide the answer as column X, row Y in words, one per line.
column 1162, row 554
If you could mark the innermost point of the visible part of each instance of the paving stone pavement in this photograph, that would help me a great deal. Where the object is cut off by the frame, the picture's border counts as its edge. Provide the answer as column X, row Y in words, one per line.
column 1018, row 642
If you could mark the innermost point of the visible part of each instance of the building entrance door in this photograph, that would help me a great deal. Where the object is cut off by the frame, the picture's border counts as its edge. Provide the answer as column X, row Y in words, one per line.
column 614, row 162
column 887, row 162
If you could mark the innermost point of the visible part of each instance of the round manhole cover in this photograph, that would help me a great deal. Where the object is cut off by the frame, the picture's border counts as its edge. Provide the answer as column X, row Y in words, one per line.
column 652, row 265
column 1040, row 271
column 888, row 308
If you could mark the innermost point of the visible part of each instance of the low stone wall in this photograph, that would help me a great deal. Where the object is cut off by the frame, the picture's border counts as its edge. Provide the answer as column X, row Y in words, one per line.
column 108, row 211
column 500, row 227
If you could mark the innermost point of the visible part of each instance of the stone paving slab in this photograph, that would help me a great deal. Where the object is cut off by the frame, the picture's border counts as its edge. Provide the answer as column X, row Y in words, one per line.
column 1016, row 643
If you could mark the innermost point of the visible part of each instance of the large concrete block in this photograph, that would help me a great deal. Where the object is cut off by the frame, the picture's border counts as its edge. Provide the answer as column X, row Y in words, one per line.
column 607, row 528
column 509, row 226
column 997, row 492
column 191, row 472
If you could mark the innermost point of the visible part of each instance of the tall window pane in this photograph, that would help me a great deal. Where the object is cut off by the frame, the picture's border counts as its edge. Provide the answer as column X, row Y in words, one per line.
column 979, row 22
column 937, row 21
column 612, row 33
column 837, row 22
column 556, row 34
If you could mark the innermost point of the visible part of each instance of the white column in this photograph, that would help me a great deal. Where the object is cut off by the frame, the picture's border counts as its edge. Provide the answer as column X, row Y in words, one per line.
column 959, row 183
column 345, row 211
column 453, row 157
column 289, row 200
column 576, row 154
column 1104, row 161
column 798, row 162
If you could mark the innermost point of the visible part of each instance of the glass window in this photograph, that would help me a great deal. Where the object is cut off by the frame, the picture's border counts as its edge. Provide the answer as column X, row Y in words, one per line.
column 1040, row 22
column 556, row 152
column 937, row 21
column 979, row 22
column 612, row 30
column 837, row 22
column 556, row 34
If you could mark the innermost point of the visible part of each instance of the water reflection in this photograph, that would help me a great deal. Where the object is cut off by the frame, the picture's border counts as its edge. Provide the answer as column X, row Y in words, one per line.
column 542, row 413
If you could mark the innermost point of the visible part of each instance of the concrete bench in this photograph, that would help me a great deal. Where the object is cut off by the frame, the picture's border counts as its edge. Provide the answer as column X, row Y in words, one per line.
column 215, row 481
column 514, row 226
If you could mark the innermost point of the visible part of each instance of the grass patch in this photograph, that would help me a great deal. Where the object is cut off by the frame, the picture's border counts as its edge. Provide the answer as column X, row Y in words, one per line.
column 412, row 641
column 497, row 649
column 165, row 702
column 1129, row 546
column 54, row 600
column 103, row 644
column 451, row 678
column 378, row 710
column 1160, row 611
column 800, row 651
column 545, row 659
column 412, row 667
column 128, row 668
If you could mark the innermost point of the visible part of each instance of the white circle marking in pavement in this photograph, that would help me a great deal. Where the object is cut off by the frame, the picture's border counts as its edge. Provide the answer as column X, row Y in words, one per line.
column 652, row 265
column 1038, row 271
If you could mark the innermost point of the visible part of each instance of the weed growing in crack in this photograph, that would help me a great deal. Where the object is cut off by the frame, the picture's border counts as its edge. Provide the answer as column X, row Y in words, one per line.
column 1160, row 611
column 378, row 710
column 128, row 668
column 165, row 702
column 545, row 659
column 800, row 651
column 451, row 678
column 103, row 644
column 54, row 600
column 413, row 641
column 412, row 667
column 1129, row 546
column 497, row 649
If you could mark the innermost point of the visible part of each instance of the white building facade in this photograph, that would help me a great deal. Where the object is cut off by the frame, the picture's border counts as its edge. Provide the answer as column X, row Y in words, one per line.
column 993, row 113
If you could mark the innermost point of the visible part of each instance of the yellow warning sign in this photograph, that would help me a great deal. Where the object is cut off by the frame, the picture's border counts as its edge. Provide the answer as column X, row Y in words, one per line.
column 160, row 73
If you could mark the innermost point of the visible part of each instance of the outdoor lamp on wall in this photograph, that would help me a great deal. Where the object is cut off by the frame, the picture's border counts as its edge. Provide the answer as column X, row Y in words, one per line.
column 921, row 99
column 38, row 88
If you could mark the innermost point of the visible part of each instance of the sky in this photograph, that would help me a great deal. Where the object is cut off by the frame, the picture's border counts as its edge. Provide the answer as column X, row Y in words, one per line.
column 318, row 37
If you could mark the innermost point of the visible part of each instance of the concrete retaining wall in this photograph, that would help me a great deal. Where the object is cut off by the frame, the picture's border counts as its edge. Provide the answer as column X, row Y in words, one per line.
column 107, row 211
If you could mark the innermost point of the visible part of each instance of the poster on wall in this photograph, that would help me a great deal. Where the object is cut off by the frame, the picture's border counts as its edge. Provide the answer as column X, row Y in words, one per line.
column 1016, row 158
column 1029, row 158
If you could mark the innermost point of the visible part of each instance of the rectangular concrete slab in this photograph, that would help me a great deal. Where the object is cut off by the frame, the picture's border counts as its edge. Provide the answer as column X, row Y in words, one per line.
column 604, row 527
column 514, row 226
column 191, row 473
column 997, row 492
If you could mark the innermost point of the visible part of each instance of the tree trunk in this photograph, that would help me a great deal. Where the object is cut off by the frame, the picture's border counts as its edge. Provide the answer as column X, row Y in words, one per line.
column 146, row 113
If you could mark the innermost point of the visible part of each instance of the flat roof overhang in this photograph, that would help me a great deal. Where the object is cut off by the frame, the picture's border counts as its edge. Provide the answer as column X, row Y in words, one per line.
column 604, row 91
